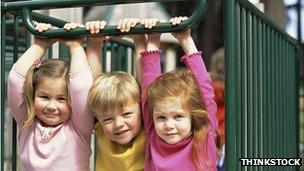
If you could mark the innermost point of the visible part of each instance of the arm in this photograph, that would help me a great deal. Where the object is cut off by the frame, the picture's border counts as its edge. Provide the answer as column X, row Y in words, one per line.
column 150, row 63
column 94, row 44
column 80, row 82
column 140, row 40
column 194, row 62
column 94, row 55
column 19, row 71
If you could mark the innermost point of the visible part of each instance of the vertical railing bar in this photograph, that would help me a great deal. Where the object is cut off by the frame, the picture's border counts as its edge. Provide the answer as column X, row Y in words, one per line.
column 268, row 121
column 254, row 66
column 263, row 88
column 243, row 142
column 273, row 101
column 230, row 85
column 259, row 89
column 14, row 137
column 3, row 34
column 249, row 86
column 238, row 73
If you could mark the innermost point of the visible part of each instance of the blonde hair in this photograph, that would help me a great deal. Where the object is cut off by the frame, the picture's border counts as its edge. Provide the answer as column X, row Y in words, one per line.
column 181, row 83
column 112, row 91
column 50, row 68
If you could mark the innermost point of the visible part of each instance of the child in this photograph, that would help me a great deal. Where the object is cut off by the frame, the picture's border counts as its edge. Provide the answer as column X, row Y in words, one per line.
column 114, row 100
column 48, row 100
column 178, row 109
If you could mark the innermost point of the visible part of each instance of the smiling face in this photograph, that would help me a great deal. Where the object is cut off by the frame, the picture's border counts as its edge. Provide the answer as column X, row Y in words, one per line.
column 172, row 121
column 121, row 125
column 51, row 101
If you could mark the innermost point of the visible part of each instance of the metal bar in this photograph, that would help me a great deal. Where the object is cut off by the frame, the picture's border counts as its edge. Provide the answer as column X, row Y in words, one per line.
column 238, row 84
column 111, row 30
column 42, row 4
column 3, row 28
column 230, row 83
column 244, row 84
column 248, row 85
column 14, row 125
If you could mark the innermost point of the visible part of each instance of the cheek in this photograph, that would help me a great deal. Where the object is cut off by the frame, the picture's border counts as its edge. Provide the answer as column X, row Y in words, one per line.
column 134, row 121
column 159, row 127
column 185, row 125
column 65, row 108
column 107, row 129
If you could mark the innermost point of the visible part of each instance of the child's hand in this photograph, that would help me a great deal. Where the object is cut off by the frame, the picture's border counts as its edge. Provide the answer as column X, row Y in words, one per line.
column 125, row 25
column 180, row 35
column 43, row 42
column 41, row 27
column 71, row 26
column 149, row 22
column 95, row 26
column 177, row 20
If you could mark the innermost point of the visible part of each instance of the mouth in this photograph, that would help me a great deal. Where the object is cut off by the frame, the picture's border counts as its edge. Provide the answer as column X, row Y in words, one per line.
column 119, row 133
column 170, row 134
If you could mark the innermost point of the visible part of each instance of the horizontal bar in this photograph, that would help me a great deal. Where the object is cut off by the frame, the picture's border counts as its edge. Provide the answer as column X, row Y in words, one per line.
column 50, row 4
column 112, row 30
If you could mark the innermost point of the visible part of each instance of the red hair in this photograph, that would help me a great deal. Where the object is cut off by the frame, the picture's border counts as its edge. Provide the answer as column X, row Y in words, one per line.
column 181, row 83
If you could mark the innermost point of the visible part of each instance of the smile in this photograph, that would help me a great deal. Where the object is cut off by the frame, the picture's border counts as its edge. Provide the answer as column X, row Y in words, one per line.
column 120, row 132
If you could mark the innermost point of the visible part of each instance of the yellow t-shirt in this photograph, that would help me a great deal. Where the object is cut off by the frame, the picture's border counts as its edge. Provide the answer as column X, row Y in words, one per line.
column 113, row 156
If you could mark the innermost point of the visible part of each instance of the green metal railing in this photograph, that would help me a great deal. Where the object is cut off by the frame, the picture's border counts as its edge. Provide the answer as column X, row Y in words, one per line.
column 25, row 8
column 262, row 88
column 117, row 55
column 261, row 68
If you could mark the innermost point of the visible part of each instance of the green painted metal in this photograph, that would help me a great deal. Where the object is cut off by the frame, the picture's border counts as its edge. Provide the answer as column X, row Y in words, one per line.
column 14, row 125
column 3, row 27
column 261, row 86
column 108, row 30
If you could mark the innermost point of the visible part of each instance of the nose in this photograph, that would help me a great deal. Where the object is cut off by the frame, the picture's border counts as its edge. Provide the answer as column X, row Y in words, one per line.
column 169, row 124
column 51, row 106
column 118, row 123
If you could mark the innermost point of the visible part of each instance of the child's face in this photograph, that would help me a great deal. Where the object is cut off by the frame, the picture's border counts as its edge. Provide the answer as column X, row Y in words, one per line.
column 172, row 122
column 51, row 101
column 121, row 125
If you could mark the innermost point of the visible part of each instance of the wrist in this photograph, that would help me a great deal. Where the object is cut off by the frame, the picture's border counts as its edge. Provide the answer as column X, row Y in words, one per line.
column 188, row 45
column 39, row 47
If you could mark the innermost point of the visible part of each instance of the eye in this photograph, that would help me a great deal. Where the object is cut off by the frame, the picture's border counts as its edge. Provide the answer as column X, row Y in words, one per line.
column 107, row 120
column 178, row 116
column 127, row 114
column 160, row 118
column 62, row 99
column 43, row 97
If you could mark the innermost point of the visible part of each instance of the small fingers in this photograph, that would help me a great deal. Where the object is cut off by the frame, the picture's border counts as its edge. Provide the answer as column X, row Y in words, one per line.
column 71, row 26
column 125, row 25
column 149, row 22
column 41, row 27
column 177, row 20
column 95, row 26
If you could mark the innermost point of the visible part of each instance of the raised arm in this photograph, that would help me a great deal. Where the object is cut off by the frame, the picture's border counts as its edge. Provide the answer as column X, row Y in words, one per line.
column 194, row 62
column 19, row 71
column 94, row 44
column 139, row 40
column 80, row 82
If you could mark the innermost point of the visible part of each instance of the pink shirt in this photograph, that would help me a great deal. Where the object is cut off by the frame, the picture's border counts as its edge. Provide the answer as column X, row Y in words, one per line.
column 68, row 147
column 162, row 156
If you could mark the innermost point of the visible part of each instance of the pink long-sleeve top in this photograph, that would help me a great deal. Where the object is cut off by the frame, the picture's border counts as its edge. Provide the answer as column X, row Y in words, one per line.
column 68, row 147
column 162, row 156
